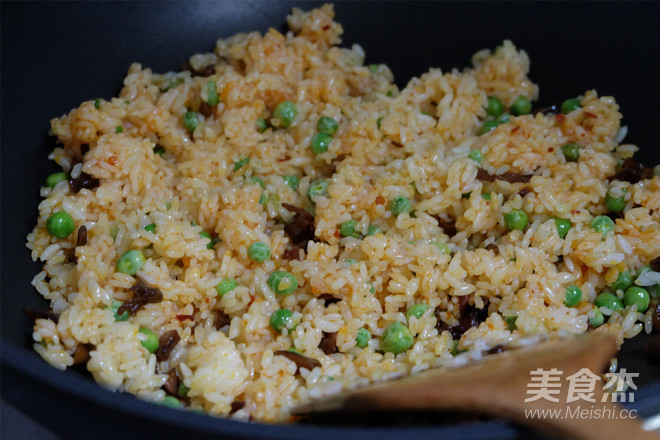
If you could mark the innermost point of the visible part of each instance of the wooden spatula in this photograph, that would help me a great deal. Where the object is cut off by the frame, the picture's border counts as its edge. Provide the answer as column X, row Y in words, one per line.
column 497, row 385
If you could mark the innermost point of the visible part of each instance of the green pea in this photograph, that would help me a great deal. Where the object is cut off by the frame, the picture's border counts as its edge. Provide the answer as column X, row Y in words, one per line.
column 603, row 224
column 320, row 143
column 262, row 125
column 396, row 338
column 54, row 179
column 476, row 156
column 373, row 230
column 159, row 150
column 212, row 94
column 168, row 205
column 511, row 322
column 282, row 283
column 151, row 343
column 443, row 247
column 183, row 390
column 608, row 300
column 327, row 125
column 280, row 319
column 170, row 85
column 292, row 181
column 241, row 163
column 60, row 224
column 114, row 230
column 487, row 126
column 454, row 349
column 225, row 286
column 171, row 402
column 417, row 311
column 521, row 106
column 613, row 203
column 258, row 180
column 639, row 296
column 362, row 338
column 130, row 262
column 285, row 112
column 347, row 229
column 503, row 119
column 400, row 205
column 190, row 121
column 205, row 234
column 571, row 152
column 495, row 106
column 598, row 319
column 486, row 196
column 151, row 227
column 573, row 296
column 516, row 219
column 115, row 308
column 642, row 270
column 318, row 188
column 259, row 252
column 119, row 129
column 569, row 105
column 563, row 226
column 97, row 103
column 623, row 281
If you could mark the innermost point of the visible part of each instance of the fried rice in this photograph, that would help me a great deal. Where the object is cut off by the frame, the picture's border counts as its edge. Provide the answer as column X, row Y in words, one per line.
column 200, row 157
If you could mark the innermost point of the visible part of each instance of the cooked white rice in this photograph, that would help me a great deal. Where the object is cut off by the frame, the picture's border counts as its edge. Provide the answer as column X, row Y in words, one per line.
column 413, row 142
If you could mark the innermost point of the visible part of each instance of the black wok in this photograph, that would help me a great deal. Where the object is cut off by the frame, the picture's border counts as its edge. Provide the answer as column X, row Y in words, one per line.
column 55, row 55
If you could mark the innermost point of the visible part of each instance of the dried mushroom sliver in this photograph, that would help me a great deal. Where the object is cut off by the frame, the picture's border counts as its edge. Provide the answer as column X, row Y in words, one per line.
column 300, row 360
column 166, row 344
column 143, row 294
column 328, row 343
column 85, row 181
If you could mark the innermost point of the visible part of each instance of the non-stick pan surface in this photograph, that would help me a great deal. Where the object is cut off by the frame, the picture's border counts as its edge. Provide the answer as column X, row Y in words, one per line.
column 55, row 55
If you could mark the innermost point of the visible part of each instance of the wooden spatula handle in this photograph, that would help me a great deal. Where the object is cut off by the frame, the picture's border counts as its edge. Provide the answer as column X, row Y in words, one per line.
column 499, row 385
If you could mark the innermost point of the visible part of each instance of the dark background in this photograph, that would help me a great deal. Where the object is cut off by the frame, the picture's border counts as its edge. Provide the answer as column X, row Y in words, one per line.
column 57, row 54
